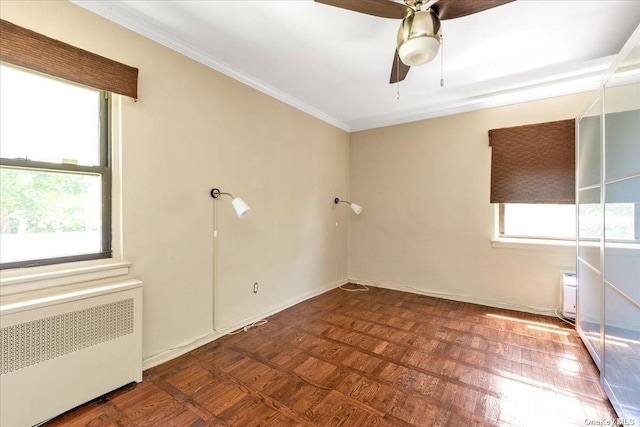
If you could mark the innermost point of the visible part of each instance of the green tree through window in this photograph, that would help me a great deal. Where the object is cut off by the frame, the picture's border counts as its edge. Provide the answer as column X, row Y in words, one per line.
column 54, row 171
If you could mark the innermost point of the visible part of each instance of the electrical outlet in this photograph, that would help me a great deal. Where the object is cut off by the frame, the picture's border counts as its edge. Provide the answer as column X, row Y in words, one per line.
column 255, row 288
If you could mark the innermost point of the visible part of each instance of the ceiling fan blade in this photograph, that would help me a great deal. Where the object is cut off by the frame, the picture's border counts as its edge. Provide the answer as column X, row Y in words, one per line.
column 381, row 8
column 398, row 70
column 451, row 9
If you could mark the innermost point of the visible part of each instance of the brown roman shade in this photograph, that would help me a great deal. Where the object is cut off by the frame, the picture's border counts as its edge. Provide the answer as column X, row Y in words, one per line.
column 25, row 48
column 533, row 163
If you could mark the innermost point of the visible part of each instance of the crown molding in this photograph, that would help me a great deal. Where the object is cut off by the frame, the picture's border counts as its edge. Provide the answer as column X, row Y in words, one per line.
column 152, row 32
column 586, row 77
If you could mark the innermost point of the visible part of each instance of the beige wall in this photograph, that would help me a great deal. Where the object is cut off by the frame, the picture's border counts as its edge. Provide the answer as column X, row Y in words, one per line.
column 193, row 129
column 427, row 222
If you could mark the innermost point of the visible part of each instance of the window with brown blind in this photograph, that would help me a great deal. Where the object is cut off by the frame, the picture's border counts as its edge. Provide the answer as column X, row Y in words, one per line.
column 533, row 180
column 55, row 156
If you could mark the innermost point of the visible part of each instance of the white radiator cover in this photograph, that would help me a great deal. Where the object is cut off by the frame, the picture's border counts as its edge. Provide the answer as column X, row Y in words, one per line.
column 61, row 351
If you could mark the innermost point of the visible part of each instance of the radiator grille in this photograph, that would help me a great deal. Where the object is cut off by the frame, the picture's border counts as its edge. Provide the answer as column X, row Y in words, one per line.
column 39, row 340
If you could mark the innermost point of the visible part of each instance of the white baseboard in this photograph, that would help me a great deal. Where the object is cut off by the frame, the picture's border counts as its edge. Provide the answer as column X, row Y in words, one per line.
column 545, row 311
column 172, row 353
column 179, row 350
column 282, row 306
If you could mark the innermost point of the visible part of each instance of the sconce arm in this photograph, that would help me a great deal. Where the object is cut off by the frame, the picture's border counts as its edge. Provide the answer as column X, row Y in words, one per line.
column 215, row 193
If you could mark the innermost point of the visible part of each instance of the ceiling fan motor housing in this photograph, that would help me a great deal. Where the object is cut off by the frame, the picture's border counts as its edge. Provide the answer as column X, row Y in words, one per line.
column 419, row 38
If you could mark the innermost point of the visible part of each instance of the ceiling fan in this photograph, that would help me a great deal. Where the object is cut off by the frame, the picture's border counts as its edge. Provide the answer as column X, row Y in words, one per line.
column 419, row 34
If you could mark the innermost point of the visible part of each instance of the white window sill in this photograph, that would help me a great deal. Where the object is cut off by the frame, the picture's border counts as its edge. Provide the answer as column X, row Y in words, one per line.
column 534, row 244
column 34, row 279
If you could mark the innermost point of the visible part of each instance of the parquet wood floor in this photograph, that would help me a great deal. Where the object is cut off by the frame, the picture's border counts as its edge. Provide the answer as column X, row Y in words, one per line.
column 377, row 358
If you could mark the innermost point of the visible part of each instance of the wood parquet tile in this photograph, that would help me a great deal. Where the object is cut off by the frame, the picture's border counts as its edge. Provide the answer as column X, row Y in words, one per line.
column 377, row 358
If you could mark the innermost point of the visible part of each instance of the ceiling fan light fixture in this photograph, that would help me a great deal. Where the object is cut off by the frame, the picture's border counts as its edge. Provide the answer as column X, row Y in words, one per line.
column 419, row 38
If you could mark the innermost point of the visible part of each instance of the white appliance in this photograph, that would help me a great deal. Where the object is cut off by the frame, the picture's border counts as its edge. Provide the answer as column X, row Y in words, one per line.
column 569, row 295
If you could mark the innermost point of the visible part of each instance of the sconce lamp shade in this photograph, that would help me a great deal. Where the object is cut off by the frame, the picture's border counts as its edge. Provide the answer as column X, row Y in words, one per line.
column 356, row 208
column 240, row 206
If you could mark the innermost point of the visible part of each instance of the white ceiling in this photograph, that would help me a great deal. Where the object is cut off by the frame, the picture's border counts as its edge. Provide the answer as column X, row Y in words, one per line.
column 335, row 64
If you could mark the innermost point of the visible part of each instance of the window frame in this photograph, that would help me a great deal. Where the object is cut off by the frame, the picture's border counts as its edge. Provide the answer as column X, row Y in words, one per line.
column 104, row 169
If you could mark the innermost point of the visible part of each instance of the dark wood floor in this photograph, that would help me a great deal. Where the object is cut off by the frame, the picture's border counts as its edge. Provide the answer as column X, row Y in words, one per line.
column 378, row 358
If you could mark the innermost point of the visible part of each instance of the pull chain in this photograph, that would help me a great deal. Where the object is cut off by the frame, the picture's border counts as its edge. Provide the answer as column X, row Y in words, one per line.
column 397, row 77
column 442, row 61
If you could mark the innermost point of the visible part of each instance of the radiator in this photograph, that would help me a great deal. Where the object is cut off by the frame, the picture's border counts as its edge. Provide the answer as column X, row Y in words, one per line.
column 61, row 351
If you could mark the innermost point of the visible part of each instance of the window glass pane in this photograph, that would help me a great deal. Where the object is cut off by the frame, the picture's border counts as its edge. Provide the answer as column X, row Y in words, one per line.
column 47, row 214
column 622, row 102
column 48, row 120
column 590, row 307
column 589, row 147
column 589, row 227
column 590, row 221
column 622, row 350
column 623, row 140
column 620, row 221
column 539, row 220
column 622, row 200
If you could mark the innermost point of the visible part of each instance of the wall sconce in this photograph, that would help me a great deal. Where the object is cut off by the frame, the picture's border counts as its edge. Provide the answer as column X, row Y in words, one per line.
column 354, row 206
column 238, row 204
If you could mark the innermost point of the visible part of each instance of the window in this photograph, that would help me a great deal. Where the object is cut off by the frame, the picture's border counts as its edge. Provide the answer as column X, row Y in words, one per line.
column 55, row 181
column 558, row 221
column 533, row 180
column 542, row 221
